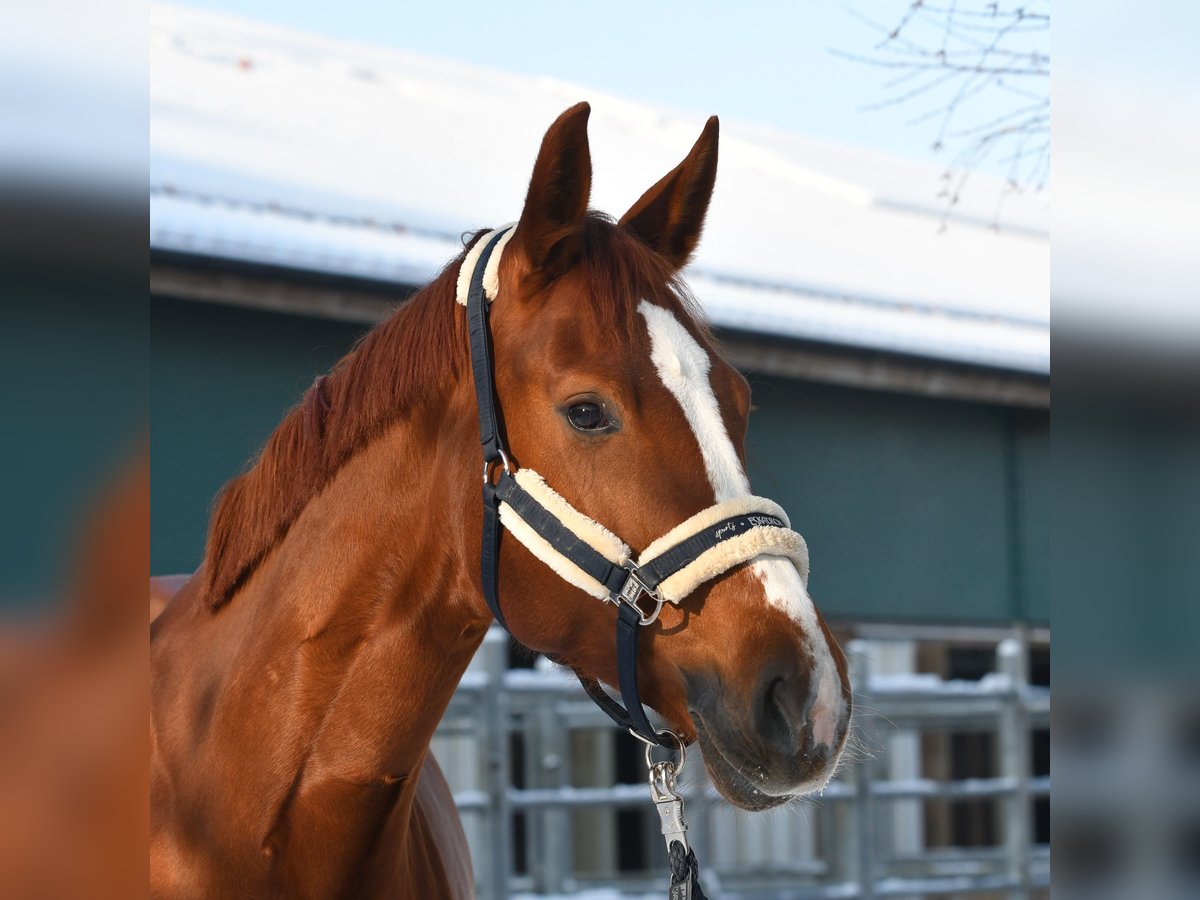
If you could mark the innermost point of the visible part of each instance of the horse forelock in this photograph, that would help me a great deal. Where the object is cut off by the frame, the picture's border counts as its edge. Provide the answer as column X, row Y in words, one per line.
column 619, row 271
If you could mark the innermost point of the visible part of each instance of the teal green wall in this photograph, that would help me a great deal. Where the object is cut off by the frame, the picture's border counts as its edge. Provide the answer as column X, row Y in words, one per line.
column 222, row 378
column 73, row 365
column 1032, row 518
column 914, row 509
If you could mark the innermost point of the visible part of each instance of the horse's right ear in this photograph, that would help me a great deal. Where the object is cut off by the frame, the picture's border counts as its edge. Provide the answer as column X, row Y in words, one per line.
column 548, row 233
column 670, row 216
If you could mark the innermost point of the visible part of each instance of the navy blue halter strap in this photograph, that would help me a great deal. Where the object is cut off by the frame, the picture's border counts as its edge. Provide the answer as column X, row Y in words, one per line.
column 489, row 428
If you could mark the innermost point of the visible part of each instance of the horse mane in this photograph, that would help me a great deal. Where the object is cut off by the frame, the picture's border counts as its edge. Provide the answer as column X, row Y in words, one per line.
column 400, row 362
column 387, row 372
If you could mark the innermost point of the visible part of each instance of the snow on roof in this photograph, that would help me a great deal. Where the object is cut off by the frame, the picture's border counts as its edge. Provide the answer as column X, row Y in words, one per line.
column 290, row 149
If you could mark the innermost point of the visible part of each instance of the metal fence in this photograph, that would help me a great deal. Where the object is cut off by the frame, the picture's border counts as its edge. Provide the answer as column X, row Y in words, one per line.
column 534, row 766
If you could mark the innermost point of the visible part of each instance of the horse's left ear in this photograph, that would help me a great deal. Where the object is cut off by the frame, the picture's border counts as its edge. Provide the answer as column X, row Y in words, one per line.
column 549, row 230
column 670, row 216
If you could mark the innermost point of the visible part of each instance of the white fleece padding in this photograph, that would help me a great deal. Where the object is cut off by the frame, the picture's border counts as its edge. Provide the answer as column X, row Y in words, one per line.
column 765, row 540
column 586, row 529
column 739, row 506
column 491, row 275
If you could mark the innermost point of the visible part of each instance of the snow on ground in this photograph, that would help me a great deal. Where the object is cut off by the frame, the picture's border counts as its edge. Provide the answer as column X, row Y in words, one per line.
column 290, row 149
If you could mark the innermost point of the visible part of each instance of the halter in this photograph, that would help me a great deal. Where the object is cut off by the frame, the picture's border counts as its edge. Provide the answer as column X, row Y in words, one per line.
column 590, row 557
column 582, row 551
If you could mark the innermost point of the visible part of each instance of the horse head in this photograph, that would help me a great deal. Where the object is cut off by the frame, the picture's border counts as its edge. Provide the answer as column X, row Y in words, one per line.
column 614, row 391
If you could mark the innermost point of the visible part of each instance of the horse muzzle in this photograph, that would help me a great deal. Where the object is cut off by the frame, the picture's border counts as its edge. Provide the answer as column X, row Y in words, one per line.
column 781, row 742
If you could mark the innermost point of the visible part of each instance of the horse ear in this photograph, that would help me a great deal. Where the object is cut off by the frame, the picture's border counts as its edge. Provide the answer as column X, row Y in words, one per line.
column 548, row 232
column 670, row 216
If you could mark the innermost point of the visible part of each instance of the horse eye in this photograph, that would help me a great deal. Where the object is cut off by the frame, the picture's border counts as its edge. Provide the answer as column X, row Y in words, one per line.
column 587, row 416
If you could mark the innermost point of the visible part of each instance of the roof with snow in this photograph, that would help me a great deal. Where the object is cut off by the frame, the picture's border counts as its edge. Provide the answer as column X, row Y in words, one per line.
column 292, row 150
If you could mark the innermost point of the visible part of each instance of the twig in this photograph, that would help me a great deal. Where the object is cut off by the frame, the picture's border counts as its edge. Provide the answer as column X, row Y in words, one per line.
column 953, row 53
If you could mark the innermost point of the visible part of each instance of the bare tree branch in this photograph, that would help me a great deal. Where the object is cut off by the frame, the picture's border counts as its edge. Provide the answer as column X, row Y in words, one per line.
column 950, row 57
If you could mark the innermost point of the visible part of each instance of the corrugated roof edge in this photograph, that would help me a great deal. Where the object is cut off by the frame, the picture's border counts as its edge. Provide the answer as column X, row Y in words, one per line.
column 390, row 252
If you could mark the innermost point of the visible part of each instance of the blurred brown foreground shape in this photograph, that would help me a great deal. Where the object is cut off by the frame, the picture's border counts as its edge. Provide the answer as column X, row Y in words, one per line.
column 74, row 717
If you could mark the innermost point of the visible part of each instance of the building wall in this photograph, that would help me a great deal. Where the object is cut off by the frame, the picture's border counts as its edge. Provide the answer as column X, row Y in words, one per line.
column 73, row 363
column 915, row 509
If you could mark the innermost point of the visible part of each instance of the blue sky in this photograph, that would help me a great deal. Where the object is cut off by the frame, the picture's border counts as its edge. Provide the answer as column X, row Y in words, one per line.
column 768, row 62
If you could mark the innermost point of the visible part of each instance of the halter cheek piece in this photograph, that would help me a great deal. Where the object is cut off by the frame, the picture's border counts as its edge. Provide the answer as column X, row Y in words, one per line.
column 582, row 551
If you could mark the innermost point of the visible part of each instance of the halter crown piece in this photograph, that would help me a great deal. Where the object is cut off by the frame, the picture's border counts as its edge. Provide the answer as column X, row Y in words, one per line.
column 588, row 556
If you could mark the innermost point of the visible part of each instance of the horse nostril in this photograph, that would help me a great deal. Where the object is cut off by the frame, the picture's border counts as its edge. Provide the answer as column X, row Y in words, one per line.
column 783, row 708
column 819, row 754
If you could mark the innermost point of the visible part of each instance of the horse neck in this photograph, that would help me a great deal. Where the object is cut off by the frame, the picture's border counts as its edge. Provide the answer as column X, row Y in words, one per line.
column 332, row 666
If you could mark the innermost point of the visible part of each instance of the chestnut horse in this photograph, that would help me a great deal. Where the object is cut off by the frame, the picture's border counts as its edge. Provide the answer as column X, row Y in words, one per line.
column 299, row 675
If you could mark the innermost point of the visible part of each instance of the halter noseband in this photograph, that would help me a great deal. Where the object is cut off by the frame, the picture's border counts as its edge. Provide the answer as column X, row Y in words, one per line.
column 582, row 551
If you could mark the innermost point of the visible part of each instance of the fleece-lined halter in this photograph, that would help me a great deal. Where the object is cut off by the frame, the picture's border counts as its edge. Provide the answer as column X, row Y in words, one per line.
column 582, row 551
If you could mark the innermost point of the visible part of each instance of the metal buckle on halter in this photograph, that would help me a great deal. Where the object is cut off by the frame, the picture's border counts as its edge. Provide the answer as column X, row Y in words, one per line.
column 632, row 590
column 489, row 465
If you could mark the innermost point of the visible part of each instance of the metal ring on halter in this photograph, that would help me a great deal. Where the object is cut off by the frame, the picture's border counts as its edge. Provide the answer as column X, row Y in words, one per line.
column 631, row 592
column 649, row 743
column 650, row 748
column 490, row 464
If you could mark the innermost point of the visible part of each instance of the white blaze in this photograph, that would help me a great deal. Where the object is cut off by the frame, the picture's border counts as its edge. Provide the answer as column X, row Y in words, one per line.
column 683, row 366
